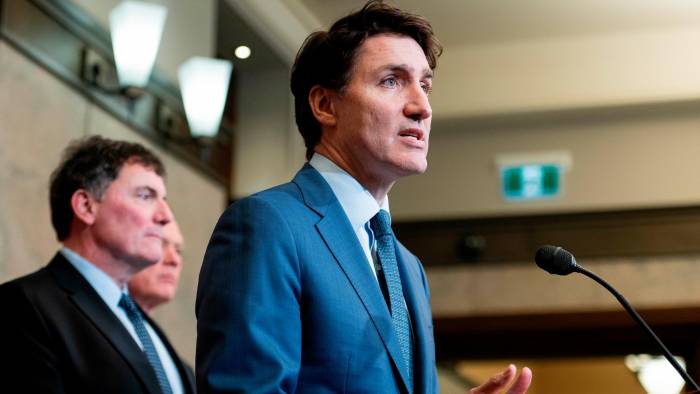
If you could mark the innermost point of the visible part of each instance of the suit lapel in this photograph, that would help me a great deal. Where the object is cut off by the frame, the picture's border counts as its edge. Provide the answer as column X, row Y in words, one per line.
column 337, row 233
column 421, row 319
column 95, row 310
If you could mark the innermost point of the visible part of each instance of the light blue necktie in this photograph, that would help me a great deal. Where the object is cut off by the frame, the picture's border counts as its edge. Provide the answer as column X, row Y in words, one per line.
column 381, row 226
column 133, row 313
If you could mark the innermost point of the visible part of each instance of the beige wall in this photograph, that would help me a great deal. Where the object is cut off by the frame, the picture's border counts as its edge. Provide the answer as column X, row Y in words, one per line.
column 34, row 125
column 568, row 72
column 268, row 147
column 38, row 116
column 623, row 159
column 636, row 160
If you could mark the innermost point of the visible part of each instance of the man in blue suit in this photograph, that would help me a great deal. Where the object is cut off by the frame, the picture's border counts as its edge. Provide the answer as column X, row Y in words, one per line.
column 304, row 288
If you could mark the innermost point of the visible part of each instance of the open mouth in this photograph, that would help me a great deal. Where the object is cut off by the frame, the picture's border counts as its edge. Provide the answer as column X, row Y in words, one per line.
column 416, row 134
column 413, row 138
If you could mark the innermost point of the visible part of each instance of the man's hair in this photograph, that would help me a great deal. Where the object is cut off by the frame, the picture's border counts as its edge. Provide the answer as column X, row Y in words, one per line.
column 91, row 163
column 326, row 58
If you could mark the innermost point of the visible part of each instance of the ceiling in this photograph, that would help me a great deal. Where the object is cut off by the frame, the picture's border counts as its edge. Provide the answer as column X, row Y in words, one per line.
column 510, row 56
column 233, row 30
column 477, row 22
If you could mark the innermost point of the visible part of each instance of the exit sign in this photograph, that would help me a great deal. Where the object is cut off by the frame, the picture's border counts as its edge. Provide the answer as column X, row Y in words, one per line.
column 531, row 181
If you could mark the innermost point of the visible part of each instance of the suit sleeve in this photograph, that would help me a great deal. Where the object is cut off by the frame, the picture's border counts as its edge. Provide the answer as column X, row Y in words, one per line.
column 248, row 314
column 29, row 356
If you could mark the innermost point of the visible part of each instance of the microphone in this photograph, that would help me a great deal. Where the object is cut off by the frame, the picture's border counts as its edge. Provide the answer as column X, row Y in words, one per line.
column 555, row 260
column 558, row 261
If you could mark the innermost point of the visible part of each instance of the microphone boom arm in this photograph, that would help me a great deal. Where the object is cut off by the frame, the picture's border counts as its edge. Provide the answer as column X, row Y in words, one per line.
column 688, row 380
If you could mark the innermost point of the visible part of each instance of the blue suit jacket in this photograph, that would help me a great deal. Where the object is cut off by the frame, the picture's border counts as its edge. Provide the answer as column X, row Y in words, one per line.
column 287, row 302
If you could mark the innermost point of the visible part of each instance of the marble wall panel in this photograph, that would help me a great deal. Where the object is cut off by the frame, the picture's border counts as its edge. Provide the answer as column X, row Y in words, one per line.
column 38, row 115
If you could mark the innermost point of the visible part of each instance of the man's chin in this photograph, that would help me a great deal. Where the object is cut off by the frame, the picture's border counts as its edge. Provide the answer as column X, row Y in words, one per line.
column 147, row 260
column 165, row 296
column 415, row 167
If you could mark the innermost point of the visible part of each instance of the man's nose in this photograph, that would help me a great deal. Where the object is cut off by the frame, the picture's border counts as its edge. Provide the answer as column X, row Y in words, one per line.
column 163, row 214
column 171, row 256
column 418, row 106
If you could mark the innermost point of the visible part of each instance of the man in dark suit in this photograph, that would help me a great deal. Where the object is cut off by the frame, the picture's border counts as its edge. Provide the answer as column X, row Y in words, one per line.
column 304, row 288
column 71, row 326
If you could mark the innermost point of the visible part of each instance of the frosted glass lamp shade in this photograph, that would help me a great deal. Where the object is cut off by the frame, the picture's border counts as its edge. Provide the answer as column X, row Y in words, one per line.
column 136, row 29
column 204, row 86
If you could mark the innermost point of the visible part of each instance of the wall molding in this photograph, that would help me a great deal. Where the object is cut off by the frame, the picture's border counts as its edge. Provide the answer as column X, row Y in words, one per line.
column 609, row 234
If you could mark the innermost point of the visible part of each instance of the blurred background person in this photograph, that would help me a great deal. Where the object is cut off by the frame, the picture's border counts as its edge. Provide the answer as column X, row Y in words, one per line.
column 73, row 326
column 158, row 283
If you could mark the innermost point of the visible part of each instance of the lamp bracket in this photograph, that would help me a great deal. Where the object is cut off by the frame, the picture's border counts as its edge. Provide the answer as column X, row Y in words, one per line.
column 100, row 73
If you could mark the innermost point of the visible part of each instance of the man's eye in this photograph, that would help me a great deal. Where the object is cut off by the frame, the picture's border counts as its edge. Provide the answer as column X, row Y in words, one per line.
column 144, row 195
column 390, row 82
column 427, row 88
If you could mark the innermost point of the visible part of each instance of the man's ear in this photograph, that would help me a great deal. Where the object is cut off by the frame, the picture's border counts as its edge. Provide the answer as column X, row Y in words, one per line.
column 322, row 105
column 84, row 206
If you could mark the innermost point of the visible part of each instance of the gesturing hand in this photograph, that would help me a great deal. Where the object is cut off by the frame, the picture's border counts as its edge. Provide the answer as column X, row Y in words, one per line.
column 502, row 380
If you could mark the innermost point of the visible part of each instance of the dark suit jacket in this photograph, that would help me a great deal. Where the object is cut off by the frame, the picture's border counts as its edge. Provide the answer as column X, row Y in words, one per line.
column 288, row 303
column 58, row 336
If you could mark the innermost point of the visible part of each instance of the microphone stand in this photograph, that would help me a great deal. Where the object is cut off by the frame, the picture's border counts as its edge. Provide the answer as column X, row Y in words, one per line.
column 688, row 380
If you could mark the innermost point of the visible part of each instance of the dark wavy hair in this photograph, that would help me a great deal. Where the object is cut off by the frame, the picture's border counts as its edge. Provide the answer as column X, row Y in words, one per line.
column 326, row 57
column 91, row 163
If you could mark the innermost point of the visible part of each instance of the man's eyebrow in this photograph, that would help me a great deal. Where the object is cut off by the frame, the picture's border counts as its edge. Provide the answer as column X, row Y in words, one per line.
column 150, row 190
column 146, row 187
column 427, row 73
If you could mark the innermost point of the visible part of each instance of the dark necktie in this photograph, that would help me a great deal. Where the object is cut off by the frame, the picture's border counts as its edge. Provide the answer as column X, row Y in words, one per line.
column 133, row 313
column 381, row 226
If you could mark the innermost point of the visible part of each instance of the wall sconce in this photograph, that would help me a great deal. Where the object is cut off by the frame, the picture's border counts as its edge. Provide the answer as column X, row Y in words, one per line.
column 204, row 85
column 136, row 29
column 158, row 114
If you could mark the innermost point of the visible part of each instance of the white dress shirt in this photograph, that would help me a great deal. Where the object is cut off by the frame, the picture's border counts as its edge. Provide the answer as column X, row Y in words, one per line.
column 357, row 202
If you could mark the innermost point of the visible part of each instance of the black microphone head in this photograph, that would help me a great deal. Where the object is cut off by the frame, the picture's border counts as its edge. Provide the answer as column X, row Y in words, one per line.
column 555, row 260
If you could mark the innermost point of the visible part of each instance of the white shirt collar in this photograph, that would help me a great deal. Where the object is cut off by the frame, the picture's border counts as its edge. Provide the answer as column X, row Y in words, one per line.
column 103, row 284
column 357, row 202
column 110, row 293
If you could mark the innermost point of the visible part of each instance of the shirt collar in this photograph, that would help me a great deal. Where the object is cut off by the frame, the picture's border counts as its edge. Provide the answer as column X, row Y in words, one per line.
column 357, row 202
column 103, row 284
